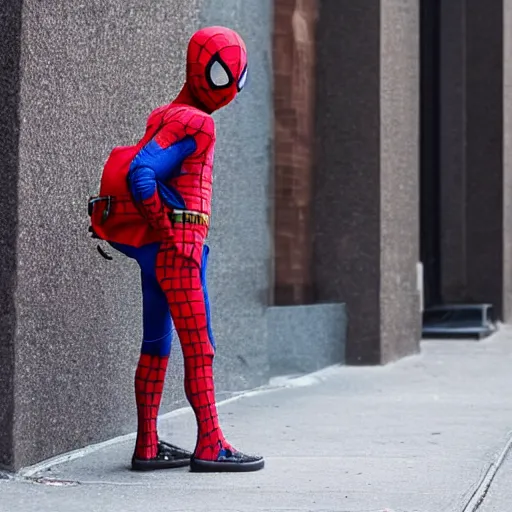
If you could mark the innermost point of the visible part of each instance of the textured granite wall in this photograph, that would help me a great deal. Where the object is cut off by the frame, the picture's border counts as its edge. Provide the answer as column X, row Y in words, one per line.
column 306, row 338
column 366, row 175
column 347, row 203
column 507, row 159
column 399, row 178
column 240, row 235
column 92, row 71
column 10, row 22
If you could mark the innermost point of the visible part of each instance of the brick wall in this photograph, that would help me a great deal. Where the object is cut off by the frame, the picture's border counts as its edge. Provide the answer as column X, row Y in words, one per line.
column 294, row 82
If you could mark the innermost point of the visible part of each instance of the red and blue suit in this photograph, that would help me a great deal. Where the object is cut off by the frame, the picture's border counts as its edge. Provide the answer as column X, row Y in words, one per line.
column 154, row 206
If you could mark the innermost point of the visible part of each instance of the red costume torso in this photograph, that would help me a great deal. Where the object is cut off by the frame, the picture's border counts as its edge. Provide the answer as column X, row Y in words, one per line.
column 195, row 182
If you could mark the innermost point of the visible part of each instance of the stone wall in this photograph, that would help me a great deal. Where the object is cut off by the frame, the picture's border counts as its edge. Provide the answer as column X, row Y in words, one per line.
column 366, row 174
column 10, row 23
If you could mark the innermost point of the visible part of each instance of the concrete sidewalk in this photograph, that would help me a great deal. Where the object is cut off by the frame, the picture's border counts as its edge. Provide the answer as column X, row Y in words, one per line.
column 428, row 434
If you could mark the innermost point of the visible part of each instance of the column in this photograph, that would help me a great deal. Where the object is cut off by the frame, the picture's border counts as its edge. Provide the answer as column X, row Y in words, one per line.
column 366, row 175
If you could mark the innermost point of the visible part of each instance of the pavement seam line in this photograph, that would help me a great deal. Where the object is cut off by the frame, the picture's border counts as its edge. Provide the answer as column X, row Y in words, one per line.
column 478, row 496
column 275, row 384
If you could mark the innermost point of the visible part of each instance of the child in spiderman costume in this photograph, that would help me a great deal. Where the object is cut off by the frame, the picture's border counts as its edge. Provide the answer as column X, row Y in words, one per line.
column 154, row 206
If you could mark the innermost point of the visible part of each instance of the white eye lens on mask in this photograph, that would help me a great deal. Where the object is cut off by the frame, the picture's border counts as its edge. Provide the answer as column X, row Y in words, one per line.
column 218, row 75
column 243, row 80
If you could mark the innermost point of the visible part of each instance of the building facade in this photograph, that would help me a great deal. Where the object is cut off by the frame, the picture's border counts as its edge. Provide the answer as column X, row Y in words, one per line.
column 316, row 236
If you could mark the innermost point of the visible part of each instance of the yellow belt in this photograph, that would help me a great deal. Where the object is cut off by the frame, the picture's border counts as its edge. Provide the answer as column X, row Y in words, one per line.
column 186, row 217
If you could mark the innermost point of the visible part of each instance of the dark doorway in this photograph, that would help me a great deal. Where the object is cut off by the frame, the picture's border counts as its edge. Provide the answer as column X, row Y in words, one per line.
column 439, row 318
column 430, row 245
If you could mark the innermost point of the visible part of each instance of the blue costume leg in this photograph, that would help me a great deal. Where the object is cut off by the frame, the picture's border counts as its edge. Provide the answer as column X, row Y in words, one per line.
column 156, row 318
column 204, row 266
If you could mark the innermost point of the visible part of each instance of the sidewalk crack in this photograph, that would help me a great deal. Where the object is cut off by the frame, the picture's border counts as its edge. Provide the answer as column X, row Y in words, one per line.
column 482, row 489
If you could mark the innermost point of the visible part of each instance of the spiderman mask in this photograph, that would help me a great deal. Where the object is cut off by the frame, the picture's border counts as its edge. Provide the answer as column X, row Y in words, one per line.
column 216, row 67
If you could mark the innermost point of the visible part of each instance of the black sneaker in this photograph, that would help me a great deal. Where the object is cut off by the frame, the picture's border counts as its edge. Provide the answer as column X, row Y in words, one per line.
column 228, row 461
column 168, row 457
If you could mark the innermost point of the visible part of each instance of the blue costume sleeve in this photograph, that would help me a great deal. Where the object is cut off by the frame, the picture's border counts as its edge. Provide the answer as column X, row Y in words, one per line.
column 154, row 166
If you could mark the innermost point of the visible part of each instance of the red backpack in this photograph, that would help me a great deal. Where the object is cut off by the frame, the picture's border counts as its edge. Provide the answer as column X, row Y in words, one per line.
column 114, row 216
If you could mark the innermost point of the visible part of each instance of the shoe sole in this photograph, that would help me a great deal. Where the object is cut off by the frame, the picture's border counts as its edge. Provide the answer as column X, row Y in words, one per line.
column 152, row 465
column 209, row 466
